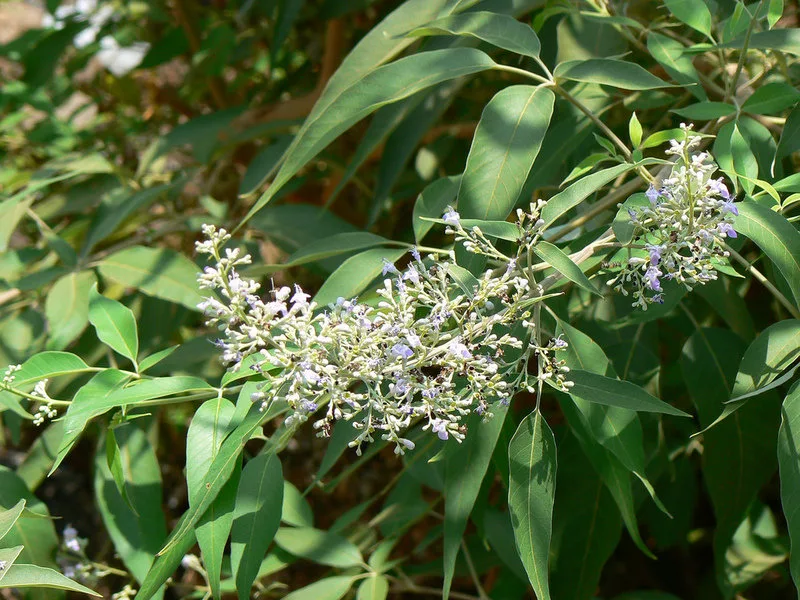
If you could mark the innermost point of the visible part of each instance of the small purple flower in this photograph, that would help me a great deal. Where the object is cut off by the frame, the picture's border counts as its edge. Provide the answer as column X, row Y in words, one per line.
column 459, row 350
column 505, row 401
column 729, row 206
column 389, row 268
column 430, row 393
column 400, row 388
column 651, row 275
column 450, row 216
column 412, row 275
column 658, row 298
column 716, row 186
column 439, row 427
column 309, row 406
column 401, row 351
column 652, row 194
column 655, row 254
column 726, row 230
column 512, row 264
column 415, row 254
column 559, row 344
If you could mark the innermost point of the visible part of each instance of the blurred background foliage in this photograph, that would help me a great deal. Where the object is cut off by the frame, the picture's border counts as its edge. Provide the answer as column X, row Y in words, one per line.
column 126, row 125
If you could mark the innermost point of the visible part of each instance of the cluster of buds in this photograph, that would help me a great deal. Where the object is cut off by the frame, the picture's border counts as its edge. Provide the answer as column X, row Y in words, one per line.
column 46, row 410
column 436, row 344
column 72, row 558
column 680, row 235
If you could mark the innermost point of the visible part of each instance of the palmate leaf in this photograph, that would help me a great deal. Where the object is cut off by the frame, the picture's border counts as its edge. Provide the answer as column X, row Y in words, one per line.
column 532, row 465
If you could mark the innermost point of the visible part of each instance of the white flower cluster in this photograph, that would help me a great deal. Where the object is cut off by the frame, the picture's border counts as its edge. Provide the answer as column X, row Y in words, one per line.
column 433, row 347
column 46, row 410
column 680, row 234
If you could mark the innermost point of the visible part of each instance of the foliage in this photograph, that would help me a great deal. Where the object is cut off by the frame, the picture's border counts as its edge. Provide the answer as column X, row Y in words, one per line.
column 554, row 331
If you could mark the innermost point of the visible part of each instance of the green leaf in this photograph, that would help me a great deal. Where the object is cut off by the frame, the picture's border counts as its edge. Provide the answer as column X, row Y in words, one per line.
column 586, row 525
column 610, row 71
column 114, row 323
column 155, row 358
column 555, row 257
column 330, row 588
column 576, row 193
column 67, row 308
column 506, row 142
column 19, row 576
column 497, row 29
column 295, row 510
column 789, row 463
column 10, row 516
column 771, row 99
column 774, row 12
column 782, row 40
column 532, row 464
column 343, row 106
column 769, row 355
column 34, row 528
column 614, row 392
column 670, row 55
column 339, row 243
column 622, row 224
column 739, row 452
column 263, row 165
column 321, row 547
column 465, row 468
column 375, row 587
column 694, row 13
column 256, row 517
column 706, row 111
column 210, row 424
column 7, row 558
column 779, row 240
column 158, row 272
column 219, row 474
column 790, row 136
column 107, row 390
column 138, row 530
column 44, row 365
column 112, row 213
column 355, row 274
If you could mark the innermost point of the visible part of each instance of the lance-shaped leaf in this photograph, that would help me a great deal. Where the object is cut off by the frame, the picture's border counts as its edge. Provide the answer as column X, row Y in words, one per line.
column 382, row 86
column 789, row 463
column 114, row 323
column 576, row 193
column 497, row 29
column 610, row 71
column 322, row 547
column 158, row 272
column 210, row 424
column 506, row 142
column 67, row 308
column 465, row 469
column 614, row 392
column 739, row 452
column 33, row 576
column 256, row 517
column 531, row 489
column 586, row 525
column 555, row 257
column 779, row 240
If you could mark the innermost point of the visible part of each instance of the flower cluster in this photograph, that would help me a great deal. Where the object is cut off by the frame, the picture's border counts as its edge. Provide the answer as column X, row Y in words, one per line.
column 680, row 233
column 72, row 558
column 435, row 345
